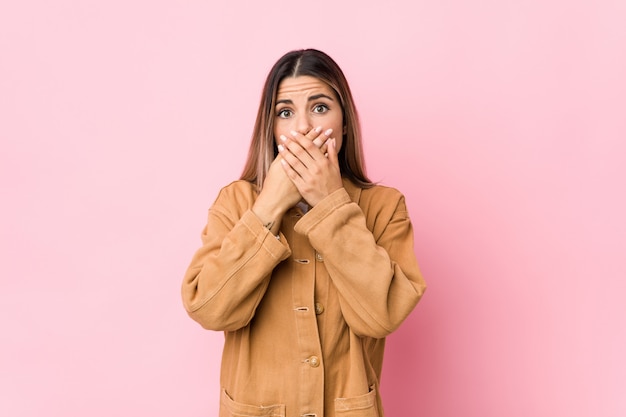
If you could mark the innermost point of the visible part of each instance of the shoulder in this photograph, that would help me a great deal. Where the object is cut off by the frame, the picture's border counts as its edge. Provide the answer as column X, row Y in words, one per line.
column 380, row 205
column 381, row 191
column 382, row 198
column 238, row 195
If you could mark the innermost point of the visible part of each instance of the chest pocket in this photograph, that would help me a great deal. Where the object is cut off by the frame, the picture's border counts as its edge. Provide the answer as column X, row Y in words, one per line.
column 361, row 406
column 231, row 408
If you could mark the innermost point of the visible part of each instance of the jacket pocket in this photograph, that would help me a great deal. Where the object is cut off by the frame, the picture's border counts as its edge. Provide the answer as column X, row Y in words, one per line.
column 231, row 408
column 361, row 406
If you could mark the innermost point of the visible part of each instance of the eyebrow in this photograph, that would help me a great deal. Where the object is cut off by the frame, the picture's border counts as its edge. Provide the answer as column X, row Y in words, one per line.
column 312, row 98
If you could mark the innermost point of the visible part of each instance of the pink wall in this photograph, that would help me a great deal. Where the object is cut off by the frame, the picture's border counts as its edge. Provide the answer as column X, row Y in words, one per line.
column 503, row 122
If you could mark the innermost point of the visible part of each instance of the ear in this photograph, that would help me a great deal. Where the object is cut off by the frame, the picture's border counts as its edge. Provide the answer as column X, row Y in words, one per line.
column 345, row 129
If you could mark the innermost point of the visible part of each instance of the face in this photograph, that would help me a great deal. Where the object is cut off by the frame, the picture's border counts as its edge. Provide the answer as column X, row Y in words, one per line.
column 304, row 103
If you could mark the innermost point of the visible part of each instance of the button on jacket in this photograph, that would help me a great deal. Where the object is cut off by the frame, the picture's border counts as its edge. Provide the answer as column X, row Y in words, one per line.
column 304, row 315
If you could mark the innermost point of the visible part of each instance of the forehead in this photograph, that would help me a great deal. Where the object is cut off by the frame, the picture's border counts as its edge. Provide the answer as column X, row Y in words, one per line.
column 305, row 85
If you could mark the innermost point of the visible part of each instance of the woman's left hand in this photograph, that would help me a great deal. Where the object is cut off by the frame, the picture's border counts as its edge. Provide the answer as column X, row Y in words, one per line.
column 314, row 173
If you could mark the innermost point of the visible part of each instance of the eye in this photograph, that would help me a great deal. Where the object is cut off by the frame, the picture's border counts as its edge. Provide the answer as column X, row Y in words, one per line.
column 285, row 113
column 320, row 108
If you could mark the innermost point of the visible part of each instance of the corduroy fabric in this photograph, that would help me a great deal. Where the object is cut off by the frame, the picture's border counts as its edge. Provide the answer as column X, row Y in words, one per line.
column 305, row 316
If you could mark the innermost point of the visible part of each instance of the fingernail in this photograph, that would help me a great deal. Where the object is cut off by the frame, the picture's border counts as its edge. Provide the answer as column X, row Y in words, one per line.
column 283, row 138
column 328, row 132
column 318, row 129
column 281, row 148
column 294, row 133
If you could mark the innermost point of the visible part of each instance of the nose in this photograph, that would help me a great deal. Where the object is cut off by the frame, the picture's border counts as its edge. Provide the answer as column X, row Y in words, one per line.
column 303, row 124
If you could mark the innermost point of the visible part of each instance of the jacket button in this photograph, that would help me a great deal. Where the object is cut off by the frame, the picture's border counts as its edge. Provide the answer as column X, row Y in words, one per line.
column 319, row 257
column 319, row 308
column 314, row 361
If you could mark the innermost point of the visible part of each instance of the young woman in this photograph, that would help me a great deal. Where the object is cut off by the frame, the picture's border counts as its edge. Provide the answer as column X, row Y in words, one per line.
column 305, row 265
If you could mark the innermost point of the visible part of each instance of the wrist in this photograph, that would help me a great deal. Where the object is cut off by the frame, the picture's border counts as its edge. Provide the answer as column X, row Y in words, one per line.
column 270, row 219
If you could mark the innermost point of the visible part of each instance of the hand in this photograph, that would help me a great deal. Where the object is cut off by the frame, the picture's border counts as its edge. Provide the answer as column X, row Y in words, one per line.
column 279, row 193
column 276, row 197
column 313, row 170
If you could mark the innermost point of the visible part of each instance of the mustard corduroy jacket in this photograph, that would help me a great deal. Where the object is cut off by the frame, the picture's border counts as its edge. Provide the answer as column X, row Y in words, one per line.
column 304, row 315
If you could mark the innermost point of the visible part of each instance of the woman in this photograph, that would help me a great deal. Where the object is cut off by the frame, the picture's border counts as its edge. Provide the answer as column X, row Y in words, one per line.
column 305, row 265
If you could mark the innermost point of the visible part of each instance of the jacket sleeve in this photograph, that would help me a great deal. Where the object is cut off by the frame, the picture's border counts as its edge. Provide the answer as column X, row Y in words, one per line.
column 369, row 259
column 230, row 273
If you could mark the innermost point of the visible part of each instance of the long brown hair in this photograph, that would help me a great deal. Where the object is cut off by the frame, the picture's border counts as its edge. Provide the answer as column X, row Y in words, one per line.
column 263, row 147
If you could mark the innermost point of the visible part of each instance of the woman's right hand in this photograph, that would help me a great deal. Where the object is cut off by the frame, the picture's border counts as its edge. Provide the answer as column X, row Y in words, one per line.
column 278, row 190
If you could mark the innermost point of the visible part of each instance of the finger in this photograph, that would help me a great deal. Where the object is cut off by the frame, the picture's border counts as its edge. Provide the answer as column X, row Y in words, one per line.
column 320, row 140
column 324, row 147
column 311, row 149
column 297, row 141
column 309, row 136
column 314, row 135
column 331, row 154
column 291, row 173
column 302, row 148
column 292, row 155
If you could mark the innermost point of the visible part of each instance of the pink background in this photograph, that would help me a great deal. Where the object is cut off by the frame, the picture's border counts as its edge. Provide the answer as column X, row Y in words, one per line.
column 503, row 122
